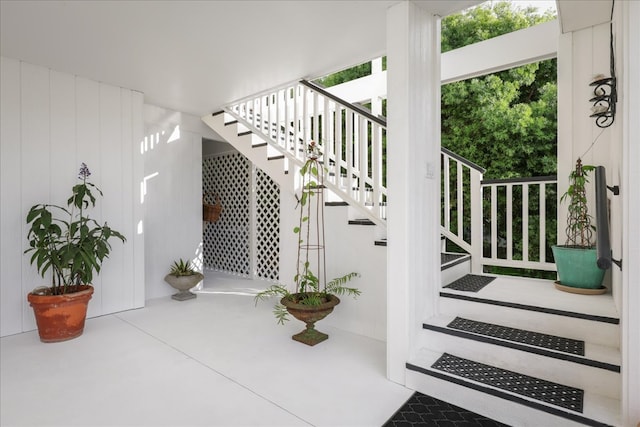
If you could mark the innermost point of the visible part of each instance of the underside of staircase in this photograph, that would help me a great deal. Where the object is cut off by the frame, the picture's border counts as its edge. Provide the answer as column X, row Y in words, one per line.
column 520, row 351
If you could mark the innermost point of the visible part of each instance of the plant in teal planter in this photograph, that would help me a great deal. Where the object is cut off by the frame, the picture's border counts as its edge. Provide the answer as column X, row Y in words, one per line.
column 576, row 259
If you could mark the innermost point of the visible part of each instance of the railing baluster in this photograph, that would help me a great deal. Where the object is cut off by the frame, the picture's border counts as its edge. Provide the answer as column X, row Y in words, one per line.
column 447, row 193
column 364, row 163
column 542, row 209
column 509, row 196
column 460, row 198
column 339, row 143
column 525, row 222
column 494, row 221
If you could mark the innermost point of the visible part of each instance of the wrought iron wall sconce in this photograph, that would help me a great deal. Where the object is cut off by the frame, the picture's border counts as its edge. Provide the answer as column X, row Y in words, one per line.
column 604, row 101
column 604, row 89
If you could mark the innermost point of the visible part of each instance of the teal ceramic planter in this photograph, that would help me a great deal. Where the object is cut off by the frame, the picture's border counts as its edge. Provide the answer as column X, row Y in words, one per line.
column 577, row 267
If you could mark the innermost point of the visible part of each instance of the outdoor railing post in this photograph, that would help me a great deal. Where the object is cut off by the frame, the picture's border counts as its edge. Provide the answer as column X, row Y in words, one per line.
column 476, row 222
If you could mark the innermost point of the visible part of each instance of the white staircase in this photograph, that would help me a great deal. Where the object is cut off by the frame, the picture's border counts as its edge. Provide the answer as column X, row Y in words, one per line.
column 253, row 147
column 515, row 350
column 521, row 352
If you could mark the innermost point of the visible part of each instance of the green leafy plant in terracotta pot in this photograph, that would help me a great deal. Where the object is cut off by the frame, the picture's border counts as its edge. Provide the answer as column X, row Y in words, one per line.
column 67, row 242
column 576, row 259
column 183, row 277
column 313, row 297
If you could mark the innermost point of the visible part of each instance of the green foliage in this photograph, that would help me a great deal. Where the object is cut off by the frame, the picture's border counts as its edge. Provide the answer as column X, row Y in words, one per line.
column 506, row 122
column 70, row 243
column 309, row 289
column 579, row 229
column 346, row 75
column 182, row 268
column 487, row 21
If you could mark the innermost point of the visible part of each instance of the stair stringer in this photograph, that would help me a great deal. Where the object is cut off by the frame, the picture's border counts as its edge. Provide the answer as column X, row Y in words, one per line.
column 217, row 122
column 253, row 147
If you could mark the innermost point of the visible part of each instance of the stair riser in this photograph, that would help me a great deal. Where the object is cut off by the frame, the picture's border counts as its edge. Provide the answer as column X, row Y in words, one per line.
column 451, row 274
column 590, row 378
column 496, row 408
column 602, row 333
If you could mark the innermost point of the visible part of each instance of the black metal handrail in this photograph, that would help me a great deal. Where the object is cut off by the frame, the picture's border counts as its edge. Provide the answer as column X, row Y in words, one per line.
column 603, row 243
column 382, row 121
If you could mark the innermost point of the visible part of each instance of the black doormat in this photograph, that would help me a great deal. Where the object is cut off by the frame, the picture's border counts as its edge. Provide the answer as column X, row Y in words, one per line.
column 551, row 342
column 423, row 410
column 524, row 385
column 470, row 283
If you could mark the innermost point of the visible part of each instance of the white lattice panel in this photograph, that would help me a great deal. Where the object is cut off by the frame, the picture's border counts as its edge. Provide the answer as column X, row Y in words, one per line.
column 227, row 242
column 267, row 230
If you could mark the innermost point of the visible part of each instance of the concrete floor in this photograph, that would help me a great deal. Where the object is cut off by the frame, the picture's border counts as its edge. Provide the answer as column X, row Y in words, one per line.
column 217, row 360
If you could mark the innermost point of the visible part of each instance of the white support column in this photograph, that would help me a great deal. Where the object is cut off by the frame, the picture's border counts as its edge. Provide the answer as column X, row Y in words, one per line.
column 413, row 129
column 630, row 106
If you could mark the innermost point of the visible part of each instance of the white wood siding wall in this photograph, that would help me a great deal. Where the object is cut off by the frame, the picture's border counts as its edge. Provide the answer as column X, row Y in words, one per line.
column 172, row 151
column 50, row 123
column 583, row 54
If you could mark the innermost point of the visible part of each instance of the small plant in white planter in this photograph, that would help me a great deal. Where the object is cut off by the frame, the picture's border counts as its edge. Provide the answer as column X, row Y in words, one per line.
column 183, row 277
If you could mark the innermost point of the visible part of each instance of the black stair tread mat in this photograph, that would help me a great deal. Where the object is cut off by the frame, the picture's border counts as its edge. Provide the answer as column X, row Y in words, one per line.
column 470, row 283
column 446, row 257
column 551, row 342
column 545, row 391
column 424, row 410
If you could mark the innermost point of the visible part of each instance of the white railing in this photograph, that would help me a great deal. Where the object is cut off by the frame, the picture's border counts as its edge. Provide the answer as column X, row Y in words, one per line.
column 351, row 140
column 461, row 207
column 517, row 215
column 495, row 221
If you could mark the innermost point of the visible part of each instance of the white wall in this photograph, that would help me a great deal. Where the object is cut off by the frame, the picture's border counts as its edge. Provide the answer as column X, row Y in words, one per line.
column 583, row 54
column 50, row 123
column 351, row 248
column 172, row 199
column 628, row 44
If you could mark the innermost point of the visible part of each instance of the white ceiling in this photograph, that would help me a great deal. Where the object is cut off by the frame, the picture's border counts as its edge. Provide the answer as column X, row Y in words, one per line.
column 196, row 56
column 576, row 15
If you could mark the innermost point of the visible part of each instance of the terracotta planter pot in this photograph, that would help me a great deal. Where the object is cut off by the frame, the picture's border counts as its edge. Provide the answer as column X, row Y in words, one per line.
column 310, row 314
column 61, row 317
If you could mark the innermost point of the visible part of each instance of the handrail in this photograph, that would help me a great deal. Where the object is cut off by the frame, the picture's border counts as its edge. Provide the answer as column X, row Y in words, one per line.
column 363, row 111
column 463, row 160
column 603, row 243
column 549, row 178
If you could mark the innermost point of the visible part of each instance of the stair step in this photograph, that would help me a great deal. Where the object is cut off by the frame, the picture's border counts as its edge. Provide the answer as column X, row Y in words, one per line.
column 470, row 283
column 541, row 309
column 507, row 396
column 361, row 222
column 524, row 385
column 523, row 340
column 448, row 260
column 535, row 339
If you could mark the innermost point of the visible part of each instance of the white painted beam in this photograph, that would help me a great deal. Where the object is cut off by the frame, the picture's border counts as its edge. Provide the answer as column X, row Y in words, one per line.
column 511, row 50
column 518, row 48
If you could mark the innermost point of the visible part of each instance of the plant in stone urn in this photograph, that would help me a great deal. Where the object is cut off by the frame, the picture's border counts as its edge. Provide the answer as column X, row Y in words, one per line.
column 313, row 297
column 183, row 277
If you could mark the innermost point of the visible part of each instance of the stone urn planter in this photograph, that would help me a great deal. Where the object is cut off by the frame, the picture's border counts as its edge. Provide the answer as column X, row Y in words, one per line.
column 183, row 277
column 183, row 284
column 309, row 314
column 60, row 317
column 313, row 297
